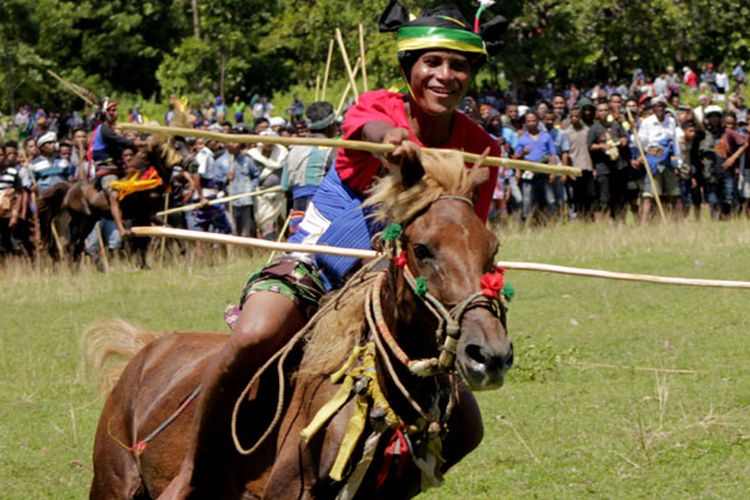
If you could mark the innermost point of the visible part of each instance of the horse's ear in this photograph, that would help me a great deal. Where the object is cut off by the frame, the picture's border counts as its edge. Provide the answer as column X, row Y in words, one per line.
column 479, row 173
column 478, row 177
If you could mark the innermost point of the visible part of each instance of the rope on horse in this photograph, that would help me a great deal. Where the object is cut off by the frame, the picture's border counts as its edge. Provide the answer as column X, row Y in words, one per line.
column 140, row 446
column 280, row 357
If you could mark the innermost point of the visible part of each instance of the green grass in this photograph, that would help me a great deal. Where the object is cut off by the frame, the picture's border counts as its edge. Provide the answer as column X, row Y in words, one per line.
column 562, row 427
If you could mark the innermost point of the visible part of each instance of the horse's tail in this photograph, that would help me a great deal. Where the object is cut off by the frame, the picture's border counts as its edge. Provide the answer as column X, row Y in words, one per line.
column 108, row 346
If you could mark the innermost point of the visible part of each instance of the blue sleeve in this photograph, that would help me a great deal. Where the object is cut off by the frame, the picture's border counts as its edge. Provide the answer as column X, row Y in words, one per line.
column 550, row 146
column 564, row 142
column 518, row 149
column 510, row 137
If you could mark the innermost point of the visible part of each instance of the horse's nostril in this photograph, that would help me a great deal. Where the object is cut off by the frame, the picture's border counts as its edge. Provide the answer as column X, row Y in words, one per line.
column 474, row 352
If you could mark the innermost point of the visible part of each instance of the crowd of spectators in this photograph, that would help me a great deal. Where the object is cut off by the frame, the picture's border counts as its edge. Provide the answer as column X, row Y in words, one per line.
column 613, row 131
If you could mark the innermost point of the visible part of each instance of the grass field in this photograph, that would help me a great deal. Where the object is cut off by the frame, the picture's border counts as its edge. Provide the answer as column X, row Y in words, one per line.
column 583, row 413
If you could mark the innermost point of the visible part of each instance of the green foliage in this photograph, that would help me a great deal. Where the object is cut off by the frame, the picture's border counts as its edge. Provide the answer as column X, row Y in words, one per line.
column 148, row 47
column 537, row 359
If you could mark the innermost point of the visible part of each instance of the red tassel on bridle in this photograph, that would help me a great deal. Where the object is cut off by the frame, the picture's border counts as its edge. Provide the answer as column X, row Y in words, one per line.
column 492, row 283
column 400, row 259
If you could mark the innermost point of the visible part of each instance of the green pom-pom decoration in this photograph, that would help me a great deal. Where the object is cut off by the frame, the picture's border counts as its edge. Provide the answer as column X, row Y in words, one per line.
column 421, row 287
column 508, row 292
column 392, row 232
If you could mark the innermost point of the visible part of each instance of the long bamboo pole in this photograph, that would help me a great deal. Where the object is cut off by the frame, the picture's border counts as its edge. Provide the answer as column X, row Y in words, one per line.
column 327, row 70
column 56, row 237
column 71, row 87
column 317, row 87
column 156, row 231
column 347, row 89
column 281, row 235
column 219, row 201
column 37, row 235
column 163, row 248
column 371, row 147
column 102, row 246
column 345, row 56
column 654, row 187
column 362, row 56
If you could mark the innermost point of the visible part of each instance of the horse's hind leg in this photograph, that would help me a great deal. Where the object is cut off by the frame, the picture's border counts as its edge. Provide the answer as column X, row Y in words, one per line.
column 120, row 481
column 116, row 472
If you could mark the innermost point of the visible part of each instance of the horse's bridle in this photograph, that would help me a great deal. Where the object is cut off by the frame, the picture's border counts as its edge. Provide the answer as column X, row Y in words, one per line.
column 448, row 331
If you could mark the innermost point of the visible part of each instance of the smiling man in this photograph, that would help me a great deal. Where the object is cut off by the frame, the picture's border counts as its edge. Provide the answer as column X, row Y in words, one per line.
column 438, row 54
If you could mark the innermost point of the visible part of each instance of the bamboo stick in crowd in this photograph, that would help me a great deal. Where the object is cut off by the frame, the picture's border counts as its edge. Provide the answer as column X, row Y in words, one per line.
column 102, row 246
column 80, row 174
column 156, row 231
column 370, row 147
column 218, row 201
column 56, row 237
column 654, row 187
column 281, row 235
column 348, row 87
column 362, row 55
column 327, row 70
column 37, row 235
column 71, row 88
column 345, row 56
column 317, row 87
column 163, row 248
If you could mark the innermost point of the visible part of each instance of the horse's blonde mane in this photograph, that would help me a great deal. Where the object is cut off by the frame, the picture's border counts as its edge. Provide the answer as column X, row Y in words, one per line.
column 445, row 174
column 341, row 321
column 339, row 324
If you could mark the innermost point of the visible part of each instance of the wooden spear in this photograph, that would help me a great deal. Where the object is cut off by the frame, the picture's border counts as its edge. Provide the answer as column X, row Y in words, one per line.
column 71, row 87
column 654, row 187
column 345, row 56
column 218, row 201
column 156, row 231
column 371, row 147
column 327, row 70
column 362, row 56
column 348, row 87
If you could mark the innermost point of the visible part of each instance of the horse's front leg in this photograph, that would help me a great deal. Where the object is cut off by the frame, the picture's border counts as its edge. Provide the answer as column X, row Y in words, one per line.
column 465, row 428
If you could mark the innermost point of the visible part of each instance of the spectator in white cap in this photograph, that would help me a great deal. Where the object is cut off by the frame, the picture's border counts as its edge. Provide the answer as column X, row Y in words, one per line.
column 700, row 110
column 276, row 123
column 48, row 168
column 270, row 208
column 658, row 134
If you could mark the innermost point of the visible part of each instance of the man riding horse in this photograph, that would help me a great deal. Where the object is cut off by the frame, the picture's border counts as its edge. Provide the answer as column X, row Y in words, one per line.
column 107, row 147
column 438, row 54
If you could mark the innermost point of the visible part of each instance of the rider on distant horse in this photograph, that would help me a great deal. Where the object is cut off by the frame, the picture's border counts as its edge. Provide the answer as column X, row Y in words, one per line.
column 107, row 148
column 438, row 54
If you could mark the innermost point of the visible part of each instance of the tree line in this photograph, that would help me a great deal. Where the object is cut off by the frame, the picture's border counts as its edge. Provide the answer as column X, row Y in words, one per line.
column 198, row 48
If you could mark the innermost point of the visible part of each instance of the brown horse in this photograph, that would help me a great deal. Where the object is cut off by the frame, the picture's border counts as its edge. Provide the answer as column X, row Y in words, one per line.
column 402, row 335
column 86, row 204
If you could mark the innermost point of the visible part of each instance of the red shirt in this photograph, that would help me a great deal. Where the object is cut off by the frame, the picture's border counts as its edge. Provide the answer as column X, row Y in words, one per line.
column 358, row 169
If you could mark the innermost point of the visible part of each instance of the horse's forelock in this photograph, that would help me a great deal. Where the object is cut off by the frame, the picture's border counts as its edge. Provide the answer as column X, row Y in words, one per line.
column 445, row 174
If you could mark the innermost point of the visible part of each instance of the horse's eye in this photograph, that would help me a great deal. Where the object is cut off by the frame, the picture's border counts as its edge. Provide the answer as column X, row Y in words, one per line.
column 421, row 252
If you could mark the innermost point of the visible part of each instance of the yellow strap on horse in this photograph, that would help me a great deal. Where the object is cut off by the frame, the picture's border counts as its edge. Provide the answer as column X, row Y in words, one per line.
column 339, row 399
column 357, row 422
column 328, row 410
column 133, row 184
column 354, row 430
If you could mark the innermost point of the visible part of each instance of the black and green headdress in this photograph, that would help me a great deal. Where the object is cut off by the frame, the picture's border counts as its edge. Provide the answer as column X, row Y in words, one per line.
column 443, row 27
